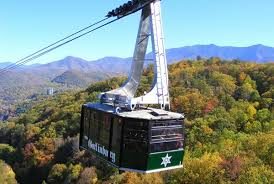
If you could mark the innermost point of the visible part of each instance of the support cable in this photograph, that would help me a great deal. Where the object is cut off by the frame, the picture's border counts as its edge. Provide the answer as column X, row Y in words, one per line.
column 13, row 65
column 39, row 53
column 66, row 42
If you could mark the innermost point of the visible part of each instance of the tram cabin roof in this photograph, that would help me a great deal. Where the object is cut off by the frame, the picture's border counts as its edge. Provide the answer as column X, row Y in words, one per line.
column 142, row 113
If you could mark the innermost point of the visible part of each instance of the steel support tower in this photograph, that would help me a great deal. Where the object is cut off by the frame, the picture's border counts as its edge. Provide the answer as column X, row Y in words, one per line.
column 124, row 97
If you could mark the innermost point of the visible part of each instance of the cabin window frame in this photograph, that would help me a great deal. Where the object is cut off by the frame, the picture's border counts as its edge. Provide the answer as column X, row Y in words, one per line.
column 166, row 142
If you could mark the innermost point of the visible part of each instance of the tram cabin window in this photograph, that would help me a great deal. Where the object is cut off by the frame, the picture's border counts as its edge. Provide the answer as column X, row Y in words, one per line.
column 166, row 136
column 135, row 143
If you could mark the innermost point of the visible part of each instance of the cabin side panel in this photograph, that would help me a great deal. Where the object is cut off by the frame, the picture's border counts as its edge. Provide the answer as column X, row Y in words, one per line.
column 135, row 144
column 115, row 146
column 97, row 131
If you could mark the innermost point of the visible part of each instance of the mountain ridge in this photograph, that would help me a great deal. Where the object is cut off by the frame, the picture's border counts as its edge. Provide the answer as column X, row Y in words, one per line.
column 4, row 64
column 256, row 53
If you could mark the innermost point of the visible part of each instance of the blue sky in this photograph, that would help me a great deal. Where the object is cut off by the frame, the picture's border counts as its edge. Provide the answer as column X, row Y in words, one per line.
column 29, row 25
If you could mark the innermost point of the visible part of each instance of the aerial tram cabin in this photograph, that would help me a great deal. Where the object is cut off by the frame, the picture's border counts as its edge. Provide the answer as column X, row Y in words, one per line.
column 145, row 140
column 122, row 129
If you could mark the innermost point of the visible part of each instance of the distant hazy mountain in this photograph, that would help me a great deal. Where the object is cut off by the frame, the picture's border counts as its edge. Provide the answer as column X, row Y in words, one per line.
column 255, row 53
column 81, row 65
column 68, row 63
column 115, row 65
column 4, row 64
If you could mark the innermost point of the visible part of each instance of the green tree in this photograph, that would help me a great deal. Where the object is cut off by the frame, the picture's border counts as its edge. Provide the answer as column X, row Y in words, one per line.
column 57, row 174
column 7, row 175
column 191, row 104
column 74, row 172
column 7, row 153
column 223, row 83
column 257, row 175
column 199, row 170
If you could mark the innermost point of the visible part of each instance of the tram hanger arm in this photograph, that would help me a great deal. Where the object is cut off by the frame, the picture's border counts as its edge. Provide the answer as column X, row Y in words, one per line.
column 129, row 8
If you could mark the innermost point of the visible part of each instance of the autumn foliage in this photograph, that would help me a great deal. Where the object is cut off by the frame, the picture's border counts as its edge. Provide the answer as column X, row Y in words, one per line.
column 229, row 123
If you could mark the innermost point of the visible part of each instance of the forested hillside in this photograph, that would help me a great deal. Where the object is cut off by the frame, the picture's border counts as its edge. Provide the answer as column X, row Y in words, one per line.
column 71, row 72
column 229, row 129
column 19, row 87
